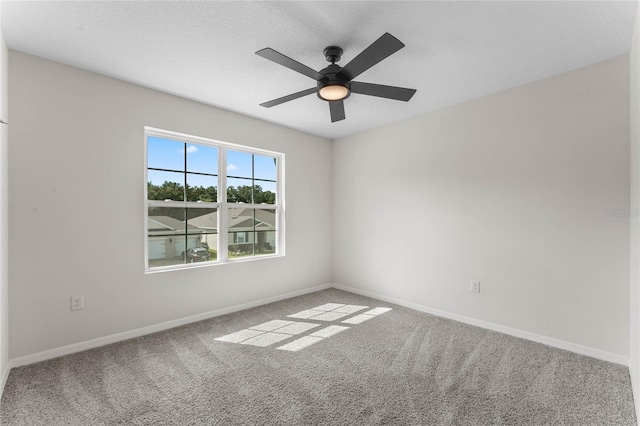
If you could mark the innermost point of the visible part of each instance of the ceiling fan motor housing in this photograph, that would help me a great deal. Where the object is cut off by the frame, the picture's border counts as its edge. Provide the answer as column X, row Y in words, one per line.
column 332, row 77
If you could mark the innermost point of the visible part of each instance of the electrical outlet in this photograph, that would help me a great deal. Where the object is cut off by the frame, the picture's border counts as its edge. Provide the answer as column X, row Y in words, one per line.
column 77, row 302
column 475, row 286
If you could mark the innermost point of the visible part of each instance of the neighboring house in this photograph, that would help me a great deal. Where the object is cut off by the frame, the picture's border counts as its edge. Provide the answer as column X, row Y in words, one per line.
column 251, row 229
column 167, row 237
column 251, row 226
column 208, row 225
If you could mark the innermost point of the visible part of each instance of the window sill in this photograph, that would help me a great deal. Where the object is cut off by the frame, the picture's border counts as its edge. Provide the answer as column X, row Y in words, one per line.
column 187, row 266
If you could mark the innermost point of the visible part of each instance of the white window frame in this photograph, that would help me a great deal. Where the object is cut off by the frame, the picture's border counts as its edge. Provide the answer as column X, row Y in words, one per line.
column 221, row 205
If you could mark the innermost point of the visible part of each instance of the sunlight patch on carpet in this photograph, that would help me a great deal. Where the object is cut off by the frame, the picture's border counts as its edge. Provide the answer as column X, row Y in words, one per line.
column 297, row 328
column 300, row 343
column 358, row 319
column 329, row 316
column 329, row 312
column 329, row 331
column 350, row 309
column 266, row 339
column 328, row 307
column 306, row 314
column 239, row 336
column 377, row 311
column 271, row 325
column 275, row 331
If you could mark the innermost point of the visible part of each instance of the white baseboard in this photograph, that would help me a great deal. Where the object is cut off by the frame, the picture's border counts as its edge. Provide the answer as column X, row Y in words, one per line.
column 545, row 340
column 635, row 386
column 5, row 376
column 118, row 337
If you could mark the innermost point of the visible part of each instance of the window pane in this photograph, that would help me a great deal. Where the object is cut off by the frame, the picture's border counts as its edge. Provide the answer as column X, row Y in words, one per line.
column 202, row 227
column 239, row 190
column 252, row 232
column 202, row 159
column 166, row 221
column 196, row 252
column 240, row 244
column 165, row 250
column 264, row 167
column 165, row 154
column 210, row 242
column 165, row 185
column 241, row 226
column 202, row 220
column 184, row 248
column 265, row 242
column 264, row 192
column 202, row 188
column 239, row 164
column 241, row 220
column 265, row 220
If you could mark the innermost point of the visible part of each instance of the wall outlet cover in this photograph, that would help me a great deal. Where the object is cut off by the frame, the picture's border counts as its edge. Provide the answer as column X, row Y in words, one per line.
column 77, row 303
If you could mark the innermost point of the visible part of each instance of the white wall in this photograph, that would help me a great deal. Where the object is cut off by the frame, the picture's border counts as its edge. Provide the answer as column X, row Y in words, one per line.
column 634, row 91
column 509, row 189
column 76, row 187
column 4, row 210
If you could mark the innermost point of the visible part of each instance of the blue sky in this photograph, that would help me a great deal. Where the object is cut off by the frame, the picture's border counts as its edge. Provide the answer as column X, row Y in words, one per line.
column 169, row 154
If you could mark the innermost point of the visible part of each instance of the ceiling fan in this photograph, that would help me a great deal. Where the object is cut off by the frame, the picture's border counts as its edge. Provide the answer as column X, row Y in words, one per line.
column 334, row 83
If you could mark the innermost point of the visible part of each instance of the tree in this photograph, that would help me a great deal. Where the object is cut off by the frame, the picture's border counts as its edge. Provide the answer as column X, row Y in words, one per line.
column 167, row 191
column 241, row 194
column 261, row 196
column 200, row 193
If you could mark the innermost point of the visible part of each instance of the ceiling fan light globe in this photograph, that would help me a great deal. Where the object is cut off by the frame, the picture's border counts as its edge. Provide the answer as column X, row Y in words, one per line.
column 334, row 92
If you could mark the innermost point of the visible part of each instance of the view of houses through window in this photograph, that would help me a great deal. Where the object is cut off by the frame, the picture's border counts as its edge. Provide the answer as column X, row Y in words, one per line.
column 190, row 220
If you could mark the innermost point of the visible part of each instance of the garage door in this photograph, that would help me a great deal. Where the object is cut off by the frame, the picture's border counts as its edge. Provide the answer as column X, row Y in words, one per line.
column 179, row 245
column 157, row 248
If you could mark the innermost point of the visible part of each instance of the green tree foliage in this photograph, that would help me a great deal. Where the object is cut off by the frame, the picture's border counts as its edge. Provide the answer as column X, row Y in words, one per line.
column 200, row 193
column 167, row 191
column 241, row 194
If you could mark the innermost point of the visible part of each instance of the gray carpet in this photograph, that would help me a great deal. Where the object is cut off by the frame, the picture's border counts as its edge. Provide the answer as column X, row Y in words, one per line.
column 399, row 367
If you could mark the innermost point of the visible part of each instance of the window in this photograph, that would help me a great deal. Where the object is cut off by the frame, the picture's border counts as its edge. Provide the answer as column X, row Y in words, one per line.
column 210, row 201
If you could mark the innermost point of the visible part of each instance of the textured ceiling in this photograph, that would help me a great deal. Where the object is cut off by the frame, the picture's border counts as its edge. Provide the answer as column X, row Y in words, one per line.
column 205, row 50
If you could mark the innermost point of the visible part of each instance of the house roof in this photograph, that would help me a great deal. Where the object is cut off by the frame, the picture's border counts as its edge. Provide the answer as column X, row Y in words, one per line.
column 239, row 218
column 166, row 224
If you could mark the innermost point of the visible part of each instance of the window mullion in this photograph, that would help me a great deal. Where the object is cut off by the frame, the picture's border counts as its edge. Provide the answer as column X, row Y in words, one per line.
column 253, row 176
column 186, row 211
column 253, row 206
column 280, row 210
column 223, row 212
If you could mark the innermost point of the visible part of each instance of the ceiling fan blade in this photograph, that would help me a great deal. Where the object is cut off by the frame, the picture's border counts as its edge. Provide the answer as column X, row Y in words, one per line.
column 337, row 110
column 289, row 97
column 286, row 61
column 380, row 49
column 381, row 91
